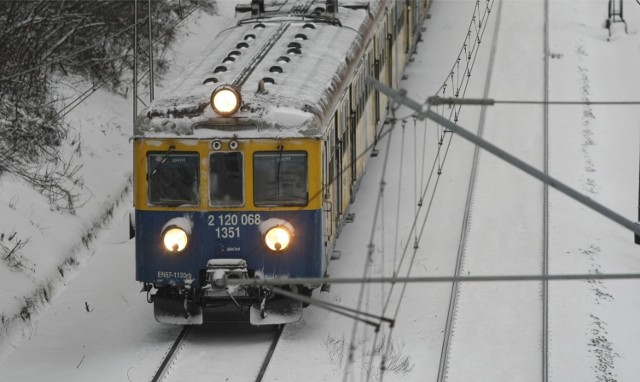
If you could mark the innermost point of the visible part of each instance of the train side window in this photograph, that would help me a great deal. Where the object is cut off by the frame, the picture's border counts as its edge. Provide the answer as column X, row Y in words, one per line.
column 226, row 179
column 173, row 178
column 280, row 178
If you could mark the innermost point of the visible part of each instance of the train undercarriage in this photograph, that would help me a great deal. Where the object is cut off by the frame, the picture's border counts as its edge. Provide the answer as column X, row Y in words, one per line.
column 215, row 301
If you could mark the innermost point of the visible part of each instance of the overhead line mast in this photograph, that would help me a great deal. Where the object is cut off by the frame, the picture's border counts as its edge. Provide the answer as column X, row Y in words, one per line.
column 136, row 96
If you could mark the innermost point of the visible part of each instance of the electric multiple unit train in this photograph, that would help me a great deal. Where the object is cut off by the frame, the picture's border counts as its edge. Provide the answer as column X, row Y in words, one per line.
column 246, row 167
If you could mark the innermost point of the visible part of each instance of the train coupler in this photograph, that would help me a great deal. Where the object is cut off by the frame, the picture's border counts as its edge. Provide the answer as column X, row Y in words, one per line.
column 220, row 270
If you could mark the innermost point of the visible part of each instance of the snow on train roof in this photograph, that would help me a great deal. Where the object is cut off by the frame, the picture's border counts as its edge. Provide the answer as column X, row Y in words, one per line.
column 294, row 103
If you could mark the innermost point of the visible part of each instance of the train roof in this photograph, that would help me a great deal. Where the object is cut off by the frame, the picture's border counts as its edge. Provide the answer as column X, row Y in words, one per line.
column 289, row 62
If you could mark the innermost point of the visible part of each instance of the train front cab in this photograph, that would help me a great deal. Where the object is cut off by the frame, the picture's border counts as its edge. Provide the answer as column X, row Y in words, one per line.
column 205, row 209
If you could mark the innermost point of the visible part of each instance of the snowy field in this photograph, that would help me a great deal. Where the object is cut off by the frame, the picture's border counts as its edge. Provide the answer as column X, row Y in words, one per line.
column 85, row 320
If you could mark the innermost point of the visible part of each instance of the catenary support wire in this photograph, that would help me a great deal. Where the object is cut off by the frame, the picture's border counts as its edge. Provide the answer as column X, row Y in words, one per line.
column 421, row 113
column 434, row 279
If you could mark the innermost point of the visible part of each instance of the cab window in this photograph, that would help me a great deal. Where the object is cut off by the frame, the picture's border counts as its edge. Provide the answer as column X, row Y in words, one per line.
column 226, row 179
column 173, row 178
column 280, row 178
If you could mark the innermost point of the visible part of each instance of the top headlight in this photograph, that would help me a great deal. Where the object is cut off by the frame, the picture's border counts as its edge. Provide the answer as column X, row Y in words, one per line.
column 226, row 100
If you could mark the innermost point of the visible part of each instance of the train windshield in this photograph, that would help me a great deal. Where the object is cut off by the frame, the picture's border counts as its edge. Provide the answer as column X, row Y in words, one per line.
column 173, row 178
column 226, row 179
column 280, row 178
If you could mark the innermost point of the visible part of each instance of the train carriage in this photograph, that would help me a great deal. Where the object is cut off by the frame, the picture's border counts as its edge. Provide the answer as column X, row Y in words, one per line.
column 246, row 167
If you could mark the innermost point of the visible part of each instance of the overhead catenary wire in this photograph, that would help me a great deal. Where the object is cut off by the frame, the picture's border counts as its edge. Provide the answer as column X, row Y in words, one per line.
column 488, row 146
column 607, row 103
column 369, row 253
column 455, row 287
column 435, row 100
column 459, row 86
column 434, row 279
column 340, row 309
column 470, row 56
column 399, row 191
column 438, row 165
column 415, row 246
column 456, row 101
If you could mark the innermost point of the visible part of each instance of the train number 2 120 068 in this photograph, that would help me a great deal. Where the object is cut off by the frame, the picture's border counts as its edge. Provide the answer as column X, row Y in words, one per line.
column 227, row 225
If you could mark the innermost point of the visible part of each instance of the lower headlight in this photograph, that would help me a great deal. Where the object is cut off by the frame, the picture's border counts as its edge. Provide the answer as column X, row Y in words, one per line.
column 175, row 239
column 278, row 238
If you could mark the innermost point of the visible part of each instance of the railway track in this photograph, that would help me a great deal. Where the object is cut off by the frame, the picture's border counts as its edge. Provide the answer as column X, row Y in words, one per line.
column 169, row 358
column 226, row 350
column 545, row 204
column 455, row 301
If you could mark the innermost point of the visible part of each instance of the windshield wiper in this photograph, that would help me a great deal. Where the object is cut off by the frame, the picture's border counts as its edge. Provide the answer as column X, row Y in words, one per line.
column 164, row 160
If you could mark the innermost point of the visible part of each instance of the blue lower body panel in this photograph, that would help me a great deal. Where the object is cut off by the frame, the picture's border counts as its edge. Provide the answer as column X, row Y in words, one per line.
column 227, row 235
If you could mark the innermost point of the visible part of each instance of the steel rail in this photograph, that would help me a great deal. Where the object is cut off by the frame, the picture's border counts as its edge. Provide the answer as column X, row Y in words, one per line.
column 272, row 348
column 168, row 359
column 545, row 205
column 455, row 286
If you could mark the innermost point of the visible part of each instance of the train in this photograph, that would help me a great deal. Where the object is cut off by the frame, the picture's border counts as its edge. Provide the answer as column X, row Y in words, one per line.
column 245, row 168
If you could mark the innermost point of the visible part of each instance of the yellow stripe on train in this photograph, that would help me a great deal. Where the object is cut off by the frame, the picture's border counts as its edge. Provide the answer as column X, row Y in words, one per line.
column 159, row 149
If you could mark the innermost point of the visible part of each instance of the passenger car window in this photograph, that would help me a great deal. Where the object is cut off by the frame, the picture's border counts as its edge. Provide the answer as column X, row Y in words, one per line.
column 226, row 177
column 173, row 178
column 280, row 178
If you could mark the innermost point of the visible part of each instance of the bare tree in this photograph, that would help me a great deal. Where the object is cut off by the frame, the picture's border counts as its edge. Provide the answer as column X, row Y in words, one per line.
column 90, row 38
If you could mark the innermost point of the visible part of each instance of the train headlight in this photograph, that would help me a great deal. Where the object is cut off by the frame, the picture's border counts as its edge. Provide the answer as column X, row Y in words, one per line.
column 226, row 100
column 175, row 239
column 278, row 238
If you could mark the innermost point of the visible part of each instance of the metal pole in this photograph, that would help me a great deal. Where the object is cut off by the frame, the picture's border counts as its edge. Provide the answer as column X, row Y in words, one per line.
column 135, row 60
column 637, row 237
column 150, row 56
column 401, row 98
column 609, row 10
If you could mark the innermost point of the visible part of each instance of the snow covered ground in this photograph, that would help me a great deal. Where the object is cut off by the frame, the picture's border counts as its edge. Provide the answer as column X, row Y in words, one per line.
column 97, row 326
